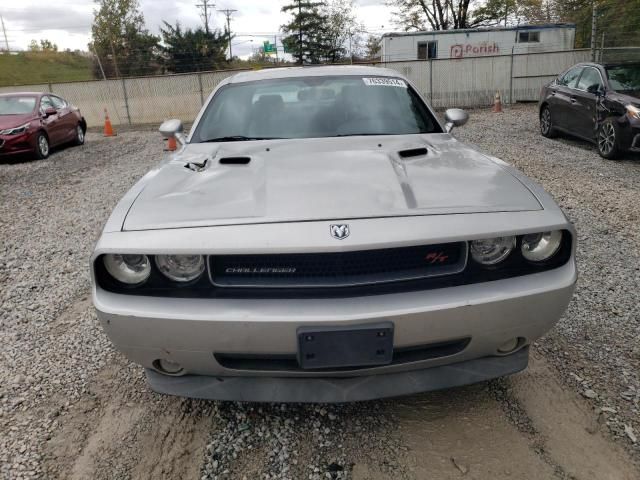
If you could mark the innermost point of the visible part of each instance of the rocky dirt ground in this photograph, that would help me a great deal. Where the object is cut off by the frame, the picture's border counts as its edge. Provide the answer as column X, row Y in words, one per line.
column 72, row 408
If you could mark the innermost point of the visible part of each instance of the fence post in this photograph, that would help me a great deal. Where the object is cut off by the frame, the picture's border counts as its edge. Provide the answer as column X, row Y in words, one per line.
column 126, row 99
column 50, row 87
column 511, row 79
column 431, row 81
column 201, row 92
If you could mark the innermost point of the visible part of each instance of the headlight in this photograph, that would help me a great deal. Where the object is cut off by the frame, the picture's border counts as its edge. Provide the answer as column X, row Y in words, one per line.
column 538, row 247
column 131, row 269
column 634, row 112
column 180, row 268
column 491, row 251
column 16, row 130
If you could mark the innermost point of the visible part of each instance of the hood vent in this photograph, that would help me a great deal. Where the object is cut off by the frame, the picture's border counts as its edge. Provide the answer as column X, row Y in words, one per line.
column 414, row 152
column 197, row 167
column 235, row 161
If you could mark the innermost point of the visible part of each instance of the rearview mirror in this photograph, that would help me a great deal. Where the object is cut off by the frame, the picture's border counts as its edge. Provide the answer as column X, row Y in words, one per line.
column 455, row 117
column 49, row 111
column 172, row 128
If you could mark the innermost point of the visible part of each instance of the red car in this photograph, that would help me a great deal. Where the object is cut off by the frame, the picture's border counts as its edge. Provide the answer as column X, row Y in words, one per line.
column 36, row 122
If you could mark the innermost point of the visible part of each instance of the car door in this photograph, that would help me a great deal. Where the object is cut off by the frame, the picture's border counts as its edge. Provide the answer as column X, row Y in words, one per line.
column 584, row 103
column 561, row 93
column 52, row 125
column 66, row 118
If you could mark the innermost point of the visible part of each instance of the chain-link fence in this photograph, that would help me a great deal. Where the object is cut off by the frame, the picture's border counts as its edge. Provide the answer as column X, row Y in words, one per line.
column 465, row 82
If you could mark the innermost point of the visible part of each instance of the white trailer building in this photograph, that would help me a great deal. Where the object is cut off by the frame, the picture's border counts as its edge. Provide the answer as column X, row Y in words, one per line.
column 475, row 42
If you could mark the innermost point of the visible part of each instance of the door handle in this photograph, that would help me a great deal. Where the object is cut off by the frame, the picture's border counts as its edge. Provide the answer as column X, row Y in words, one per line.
column 573, row 100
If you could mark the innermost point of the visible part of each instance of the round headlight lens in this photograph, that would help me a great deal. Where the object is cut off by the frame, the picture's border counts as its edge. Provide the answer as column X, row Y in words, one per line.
column 180, row 268
column 491, row 251
column 131, row 269
column 538, row 247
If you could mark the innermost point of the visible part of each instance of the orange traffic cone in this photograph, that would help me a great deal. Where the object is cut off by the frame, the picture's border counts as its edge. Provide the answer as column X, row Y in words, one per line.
column 171, row 144
column 108, row 129
column 497, row 103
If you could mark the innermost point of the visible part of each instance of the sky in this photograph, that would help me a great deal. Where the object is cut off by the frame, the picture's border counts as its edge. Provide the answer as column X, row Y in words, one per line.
column 67, row 23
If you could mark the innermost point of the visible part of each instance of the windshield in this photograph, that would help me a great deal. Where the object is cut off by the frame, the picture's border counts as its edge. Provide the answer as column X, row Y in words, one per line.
column 17, row 105
column 624, row 78
column 312, row 107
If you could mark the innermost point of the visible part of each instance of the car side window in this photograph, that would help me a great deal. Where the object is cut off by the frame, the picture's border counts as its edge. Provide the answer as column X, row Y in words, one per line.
column 570, row 79
column 58, row 103
column 590, row 79
column 45, row 103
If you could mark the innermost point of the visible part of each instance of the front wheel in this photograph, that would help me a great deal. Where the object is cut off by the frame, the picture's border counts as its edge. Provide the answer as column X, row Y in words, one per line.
column 546, row 124
column 42, row 146
column 79, row 140
column 609, row 140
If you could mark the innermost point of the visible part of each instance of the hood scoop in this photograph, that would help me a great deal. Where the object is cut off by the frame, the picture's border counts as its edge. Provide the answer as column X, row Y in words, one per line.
column 234, row 161
column 197, row 167
column 413, row 152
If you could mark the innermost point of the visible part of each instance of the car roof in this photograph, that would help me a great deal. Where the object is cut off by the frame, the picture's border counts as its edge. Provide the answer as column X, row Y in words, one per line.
column 319, row 71
column 606, row 64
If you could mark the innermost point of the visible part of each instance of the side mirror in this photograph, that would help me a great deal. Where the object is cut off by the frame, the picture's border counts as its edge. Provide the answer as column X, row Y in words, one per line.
column 455, row 117
column 50, row 111
column 595, row 90
column 173, row 128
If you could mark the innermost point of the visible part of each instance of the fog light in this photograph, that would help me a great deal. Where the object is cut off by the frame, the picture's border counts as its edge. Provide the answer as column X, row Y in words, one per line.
column 167, row 366
column 509, row 346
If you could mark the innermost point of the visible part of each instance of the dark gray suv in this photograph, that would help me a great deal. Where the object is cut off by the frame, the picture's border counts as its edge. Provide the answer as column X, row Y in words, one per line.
column 596, row 102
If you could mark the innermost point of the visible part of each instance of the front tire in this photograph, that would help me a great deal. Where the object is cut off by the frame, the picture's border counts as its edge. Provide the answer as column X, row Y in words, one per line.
column 546, row 124
column 42, row 146
column 609, row 139
column 79, row 140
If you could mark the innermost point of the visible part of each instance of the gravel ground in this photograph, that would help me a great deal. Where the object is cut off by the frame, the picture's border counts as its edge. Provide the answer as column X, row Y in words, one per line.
column 71, row 407
column 51, row 213
column 595, row 345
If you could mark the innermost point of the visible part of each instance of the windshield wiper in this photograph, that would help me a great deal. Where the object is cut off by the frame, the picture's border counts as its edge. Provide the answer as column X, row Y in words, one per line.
column 362, row 134
column 238, row 138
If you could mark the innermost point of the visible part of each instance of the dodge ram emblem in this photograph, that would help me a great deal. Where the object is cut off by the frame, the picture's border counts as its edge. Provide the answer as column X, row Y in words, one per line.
column 340, row 231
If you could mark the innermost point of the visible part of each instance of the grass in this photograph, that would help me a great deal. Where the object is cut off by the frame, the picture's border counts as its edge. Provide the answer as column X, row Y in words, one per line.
column 28, row 68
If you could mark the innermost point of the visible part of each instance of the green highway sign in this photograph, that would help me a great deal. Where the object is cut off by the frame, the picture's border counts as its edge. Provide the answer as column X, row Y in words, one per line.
column 269, row 47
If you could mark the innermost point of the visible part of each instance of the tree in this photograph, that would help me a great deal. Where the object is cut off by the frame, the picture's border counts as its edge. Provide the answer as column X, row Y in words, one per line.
column 373, row 48
column 432, row 15
column 307, row 31
column 193, row 50
column 496, row 12
column 341, row 28
column 44, row 46
column 120, row 39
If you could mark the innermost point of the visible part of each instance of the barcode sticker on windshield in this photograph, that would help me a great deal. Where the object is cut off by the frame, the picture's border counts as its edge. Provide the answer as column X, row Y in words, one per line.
column 384, row 82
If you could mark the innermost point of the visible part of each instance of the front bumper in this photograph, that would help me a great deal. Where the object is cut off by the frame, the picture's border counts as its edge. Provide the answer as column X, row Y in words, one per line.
column 191, row 331
column 16, row 144
column 339, row 390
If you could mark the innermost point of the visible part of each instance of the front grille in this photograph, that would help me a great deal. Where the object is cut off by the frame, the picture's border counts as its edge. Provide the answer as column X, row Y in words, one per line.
column 340, row 269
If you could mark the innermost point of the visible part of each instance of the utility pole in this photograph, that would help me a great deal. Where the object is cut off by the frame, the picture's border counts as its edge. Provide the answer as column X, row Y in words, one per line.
column 115, row 61
column 228, row 12
column 300, row 54
column 275, row 45
column 6, row 41
column 593, row 32
column 206, row 7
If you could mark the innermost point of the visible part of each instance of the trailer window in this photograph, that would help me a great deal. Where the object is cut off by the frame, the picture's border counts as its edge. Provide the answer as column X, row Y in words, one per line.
column 528, row 37
column 427, row 50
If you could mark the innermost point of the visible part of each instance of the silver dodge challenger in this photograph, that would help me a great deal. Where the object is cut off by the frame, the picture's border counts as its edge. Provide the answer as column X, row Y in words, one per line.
column 320, row 236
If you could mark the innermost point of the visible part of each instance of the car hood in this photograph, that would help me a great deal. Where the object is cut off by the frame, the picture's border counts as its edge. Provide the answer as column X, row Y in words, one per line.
column 12, row 121
column 324, row 179
column 632, row 97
